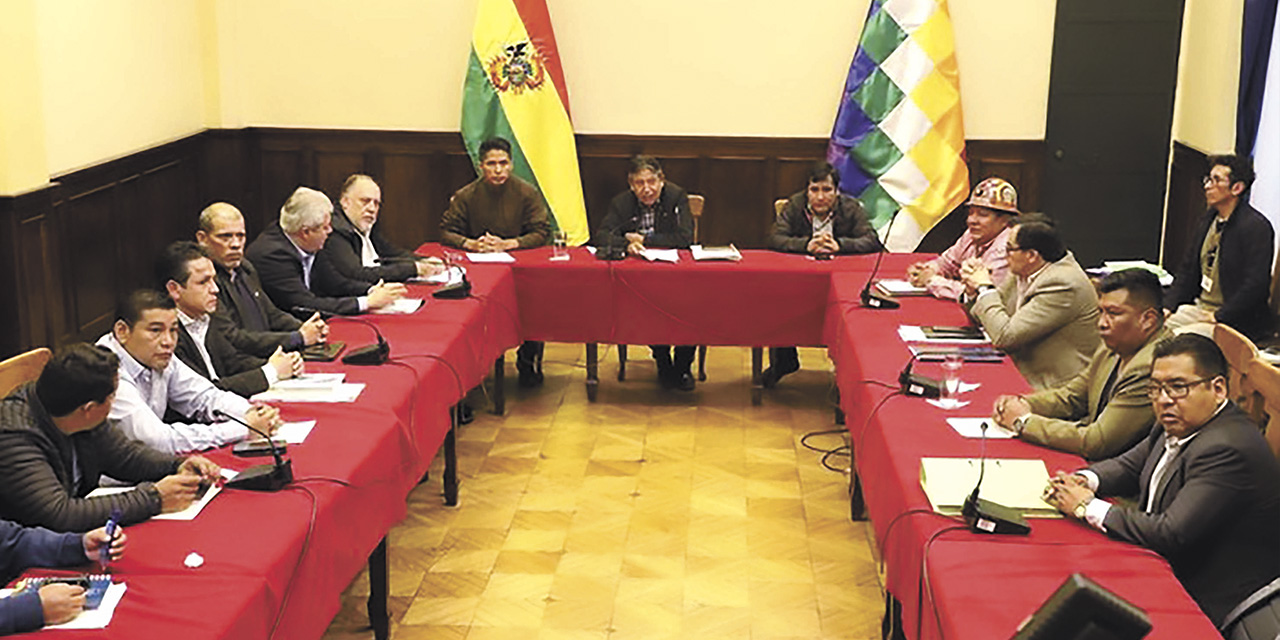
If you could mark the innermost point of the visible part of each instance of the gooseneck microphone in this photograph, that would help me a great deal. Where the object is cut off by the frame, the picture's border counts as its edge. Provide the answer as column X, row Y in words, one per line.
column 871, row 300
column 368, row 355
column 457, row 290
column 260, row 477
column 984, row 516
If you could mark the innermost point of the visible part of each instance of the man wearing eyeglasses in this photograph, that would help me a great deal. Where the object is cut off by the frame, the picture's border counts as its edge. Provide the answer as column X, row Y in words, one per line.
column 1045, row 316
column 1226, row 274
column 1205, row 484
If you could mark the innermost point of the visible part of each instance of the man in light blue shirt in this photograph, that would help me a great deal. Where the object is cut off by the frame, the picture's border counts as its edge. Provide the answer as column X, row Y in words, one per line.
column 152, row 382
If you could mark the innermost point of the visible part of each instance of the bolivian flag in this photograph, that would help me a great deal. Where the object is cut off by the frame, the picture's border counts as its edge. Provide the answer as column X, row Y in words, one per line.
column 515, row 89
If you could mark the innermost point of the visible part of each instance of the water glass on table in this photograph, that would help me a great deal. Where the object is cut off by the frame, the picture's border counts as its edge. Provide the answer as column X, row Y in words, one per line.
column 559, row 245
column 952, row 365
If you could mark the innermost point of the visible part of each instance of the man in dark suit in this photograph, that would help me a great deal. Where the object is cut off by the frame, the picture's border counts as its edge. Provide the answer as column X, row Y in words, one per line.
column 1207, row 487
column 1226, row 274
column 185, row 272
column 356, row 248
column 819, row 221
column 245, row 314
column 297, row 276
column 653, row 213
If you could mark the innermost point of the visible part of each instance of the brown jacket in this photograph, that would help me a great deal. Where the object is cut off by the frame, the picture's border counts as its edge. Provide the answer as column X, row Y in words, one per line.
column 513, row 210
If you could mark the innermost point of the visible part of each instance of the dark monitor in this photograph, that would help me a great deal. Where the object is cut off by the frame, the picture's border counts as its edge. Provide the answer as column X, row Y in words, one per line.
column 1083, row 610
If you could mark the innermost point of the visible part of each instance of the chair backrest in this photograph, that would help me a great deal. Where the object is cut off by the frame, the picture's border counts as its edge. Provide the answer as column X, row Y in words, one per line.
column 779, row 205
column 696, row 203
column 22, row 368
column 1240, row 353
column 1264, row 381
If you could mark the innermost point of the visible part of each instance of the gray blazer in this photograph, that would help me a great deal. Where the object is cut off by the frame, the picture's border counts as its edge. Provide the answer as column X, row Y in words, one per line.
column 1216, row 516
column 1051, row 330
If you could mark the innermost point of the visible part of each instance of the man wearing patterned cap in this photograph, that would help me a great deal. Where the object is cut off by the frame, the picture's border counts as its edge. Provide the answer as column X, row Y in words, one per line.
column 993, row 207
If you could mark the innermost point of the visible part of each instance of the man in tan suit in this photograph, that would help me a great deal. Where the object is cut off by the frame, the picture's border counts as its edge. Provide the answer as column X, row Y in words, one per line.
column 1104, row 410
column 1045, row 317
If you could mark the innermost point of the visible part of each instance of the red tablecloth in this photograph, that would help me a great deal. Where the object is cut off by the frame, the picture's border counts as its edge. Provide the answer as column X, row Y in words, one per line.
column 279, row 561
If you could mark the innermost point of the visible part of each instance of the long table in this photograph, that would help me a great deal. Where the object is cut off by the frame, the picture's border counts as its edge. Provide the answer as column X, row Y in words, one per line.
column 275, row 563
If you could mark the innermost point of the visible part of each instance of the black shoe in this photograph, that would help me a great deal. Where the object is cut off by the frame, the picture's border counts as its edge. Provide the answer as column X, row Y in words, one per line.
column 770, row 377
column 684, row 381
column 466, row 415
column 529, row 377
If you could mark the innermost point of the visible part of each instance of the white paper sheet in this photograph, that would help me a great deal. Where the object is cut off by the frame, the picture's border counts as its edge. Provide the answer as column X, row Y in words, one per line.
column 972, row 428
column 900, row 287
column 661, row 255
column 345, row 392
column 401, row 306
column 497, row 256
column 189, row 513
column 311, row 381
column 452, row 275
column 912, row 333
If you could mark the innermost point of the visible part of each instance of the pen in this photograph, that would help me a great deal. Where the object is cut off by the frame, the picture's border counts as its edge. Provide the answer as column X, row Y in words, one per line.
column 113, row 527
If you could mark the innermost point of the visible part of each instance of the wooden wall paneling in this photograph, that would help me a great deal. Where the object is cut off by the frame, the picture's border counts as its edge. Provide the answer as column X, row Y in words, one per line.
column 226, row 166
column 1186, row 204
column 738, row 193
column 282, row 172
column 408, row 214
column 89, row 252
column 30, row 292
column 332, row 169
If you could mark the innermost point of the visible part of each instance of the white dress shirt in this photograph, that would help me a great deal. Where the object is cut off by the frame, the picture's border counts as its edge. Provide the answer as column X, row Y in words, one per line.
column 143, row 395
column 368, row 254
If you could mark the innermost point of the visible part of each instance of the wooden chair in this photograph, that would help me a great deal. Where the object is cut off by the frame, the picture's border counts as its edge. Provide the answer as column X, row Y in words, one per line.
column 1264, row 381
column 779, row 205
column 22, row 368
column 696, row 203
column 1241, row 354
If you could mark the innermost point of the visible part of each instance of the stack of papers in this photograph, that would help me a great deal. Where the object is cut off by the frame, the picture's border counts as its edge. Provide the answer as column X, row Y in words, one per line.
column 344, row 392
column 730, row 252
column 401, row 306
column 911, row 333
column 448, row 276
column 1014, row 483
column 967, row 353
column 661, row 255
column 497, row 256
column 311, row 381
column 900, row 288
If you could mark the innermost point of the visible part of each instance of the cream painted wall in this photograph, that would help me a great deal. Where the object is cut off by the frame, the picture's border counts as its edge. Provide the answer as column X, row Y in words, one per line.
column 1204, row 109
column 117, row 77
column 722, row 67
column 23, row 165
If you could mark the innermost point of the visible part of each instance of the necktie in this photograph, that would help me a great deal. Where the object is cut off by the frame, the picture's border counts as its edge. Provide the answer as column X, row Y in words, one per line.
column 307, row 260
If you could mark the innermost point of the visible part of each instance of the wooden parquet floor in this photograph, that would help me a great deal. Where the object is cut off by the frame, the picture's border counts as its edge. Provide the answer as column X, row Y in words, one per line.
column 649, row 515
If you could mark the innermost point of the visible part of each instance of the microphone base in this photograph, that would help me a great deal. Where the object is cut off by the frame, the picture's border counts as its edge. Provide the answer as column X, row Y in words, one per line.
column 873, row 301
column 264, row 477
column 984, row 516
column 454, row 291
column 920, row 386
column 369, row 355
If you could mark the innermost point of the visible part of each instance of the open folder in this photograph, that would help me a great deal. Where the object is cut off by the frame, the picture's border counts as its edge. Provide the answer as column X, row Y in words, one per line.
column 1014, row 483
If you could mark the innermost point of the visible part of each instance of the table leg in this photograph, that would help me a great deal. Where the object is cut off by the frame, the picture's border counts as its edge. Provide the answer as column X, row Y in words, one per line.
column 839, row 409
column 593, row 371
column 757, row 380
column 450, row 476
column 857, row 506
column 499, row 386
column 891, row 623
column 379, row 587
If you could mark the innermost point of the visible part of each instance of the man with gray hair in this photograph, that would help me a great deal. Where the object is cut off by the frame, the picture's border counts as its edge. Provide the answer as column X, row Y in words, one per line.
column 299, row 278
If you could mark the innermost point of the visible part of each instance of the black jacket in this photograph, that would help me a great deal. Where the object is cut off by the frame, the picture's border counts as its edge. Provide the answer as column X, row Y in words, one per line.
column 1246, row 251
column 281, row 271
column 229, row 318
column 239, row 373
column 37, row 486
column 673, row 228
column 344, row 248
column 792, row 229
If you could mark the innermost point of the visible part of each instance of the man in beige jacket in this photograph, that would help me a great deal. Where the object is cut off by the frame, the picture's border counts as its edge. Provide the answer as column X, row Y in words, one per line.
column 1104, row 410
column 1045, row 316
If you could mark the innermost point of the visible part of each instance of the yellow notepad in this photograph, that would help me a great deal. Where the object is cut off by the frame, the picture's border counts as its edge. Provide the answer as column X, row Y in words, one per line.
column 1014, row 483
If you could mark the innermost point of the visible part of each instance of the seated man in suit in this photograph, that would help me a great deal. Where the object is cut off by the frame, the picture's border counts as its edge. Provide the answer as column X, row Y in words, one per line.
column 993, row 208
column 55, row 443
column 1226, row 274
column 22, row 547
column 1104, row 409
column 499, row 212
column 356, row 248
column 245, row 314
column 152, row 382
column 654, row 213
column 299, row 278
column 1207, row 488
column 1046, row 316
column 818, row 221
column 186, row 273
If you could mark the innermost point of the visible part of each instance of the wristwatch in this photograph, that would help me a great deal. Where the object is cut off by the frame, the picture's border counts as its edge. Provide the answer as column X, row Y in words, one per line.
column 1078, row 512
column 983, row 288
column 1020, row 423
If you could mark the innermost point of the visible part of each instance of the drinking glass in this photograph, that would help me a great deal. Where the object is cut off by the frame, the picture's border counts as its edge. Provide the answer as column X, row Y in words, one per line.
column 559, row 245
column 952, row 364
